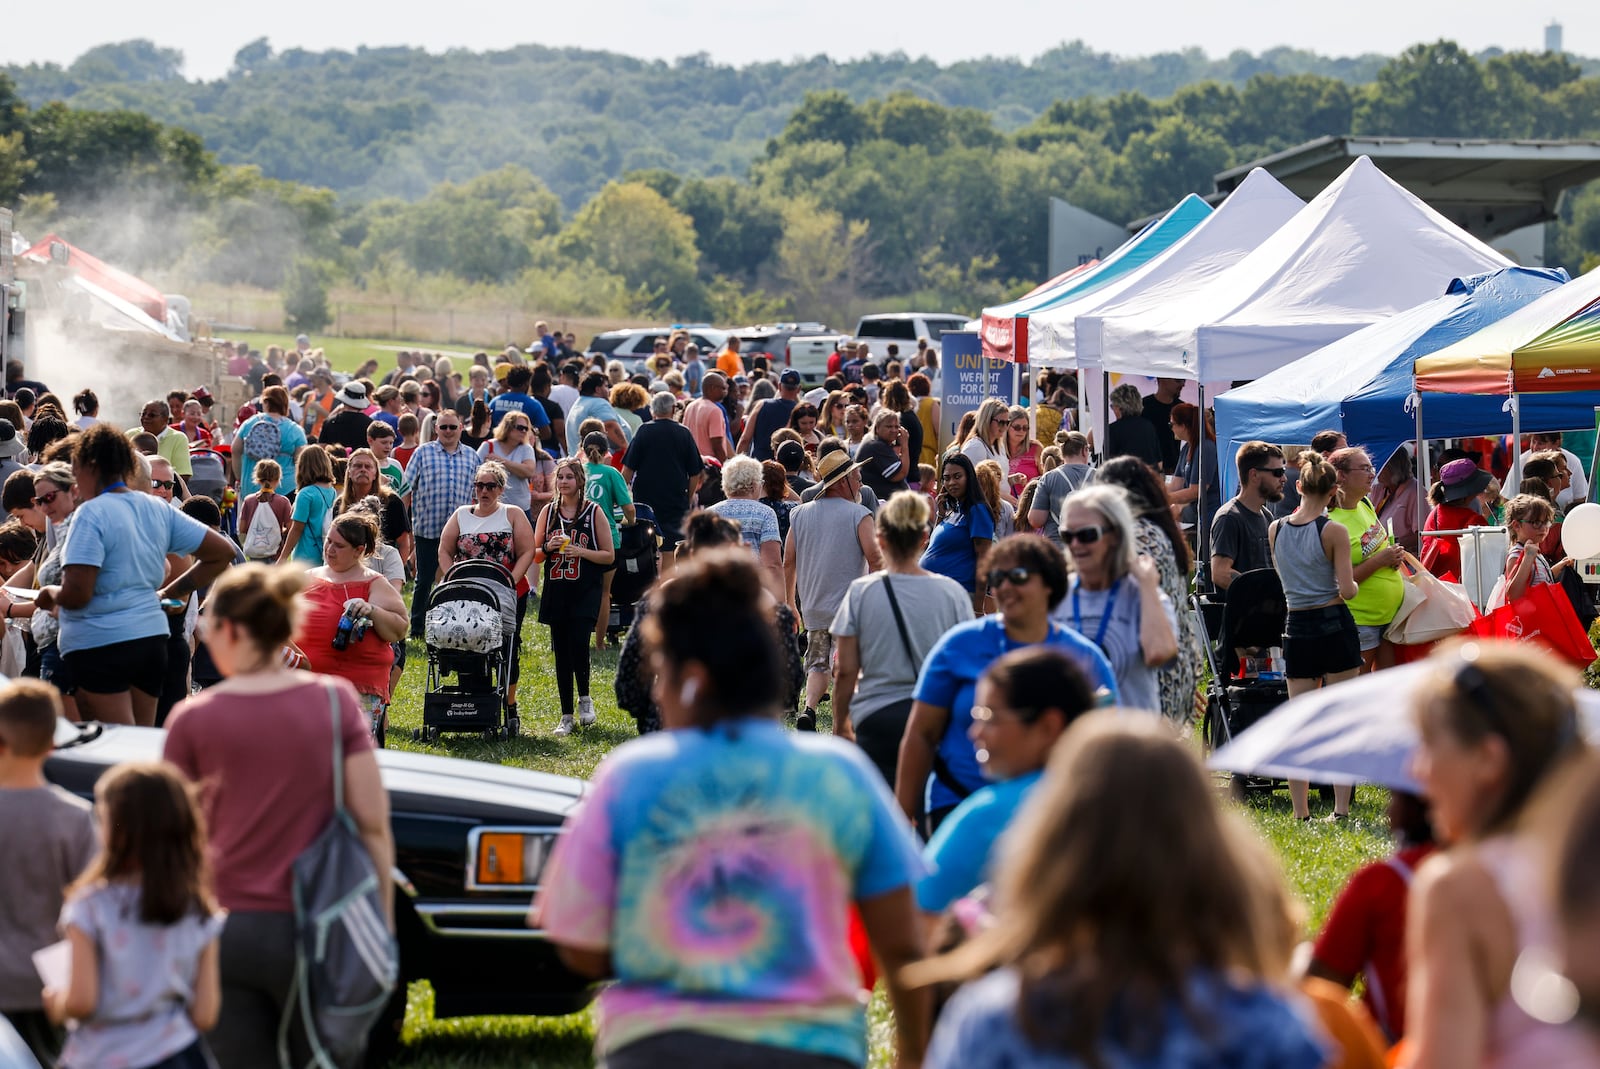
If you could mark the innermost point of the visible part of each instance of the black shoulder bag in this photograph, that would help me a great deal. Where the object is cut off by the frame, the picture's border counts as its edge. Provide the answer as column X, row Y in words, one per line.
column 941, row 770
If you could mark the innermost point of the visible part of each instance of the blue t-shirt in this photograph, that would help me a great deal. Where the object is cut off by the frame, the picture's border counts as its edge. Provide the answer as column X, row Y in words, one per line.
column 950, row 549
column 718, row 867
column 503, row 403
column 591, row 407
column 127, row 536
column 1215, row 1023
column 950, row 676
column 958, row 853
column 313, row 506
column 291, row 438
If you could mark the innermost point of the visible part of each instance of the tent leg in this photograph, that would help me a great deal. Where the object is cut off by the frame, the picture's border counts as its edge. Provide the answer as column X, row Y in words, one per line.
column 1516, row 435
column 1033, row 403
column 1201, row 538
column 1424, row 476
column 1105, row 411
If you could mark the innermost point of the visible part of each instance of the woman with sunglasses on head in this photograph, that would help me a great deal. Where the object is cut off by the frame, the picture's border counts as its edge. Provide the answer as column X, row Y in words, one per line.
column 1114, row 598
column 1497, row 722
column 938, row 765
column 576, row 540
column 363, row 479
column 964, row 528
column 987, row 440
column 1320, row 643
column 489, row 529
column 1379, row 585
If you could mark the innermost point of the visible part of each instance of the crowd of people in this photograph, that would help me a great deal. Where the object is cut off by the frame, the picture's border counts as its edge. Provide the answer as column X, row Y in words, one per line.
column 999, row 628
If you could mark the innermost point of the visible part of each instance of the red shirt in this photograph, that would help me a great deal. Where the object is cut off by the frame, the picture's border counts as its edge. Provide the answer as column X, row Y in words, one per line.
column 1366, row 935
column 264, row 763
column 1441, row 555
column 366, row 663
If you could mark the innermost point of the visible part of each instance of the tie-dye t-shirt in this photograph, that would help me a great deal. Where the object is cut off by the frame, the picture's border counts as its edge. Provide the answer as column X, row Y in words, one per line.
column 717, row 867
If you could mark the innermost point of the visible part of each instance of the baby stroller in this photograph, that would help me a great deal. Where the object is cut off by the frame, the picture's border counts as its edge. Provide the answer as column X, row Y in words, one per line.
column 1251, row 619
column 210, row 476
column 470, row 629
column 638, row 564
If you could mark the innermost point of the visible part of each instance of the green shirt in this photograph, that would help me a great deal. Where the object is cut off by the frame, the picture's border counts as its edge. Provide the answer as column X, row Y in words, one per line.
column 396, row 476
column 606, row 489
column 1378, row 596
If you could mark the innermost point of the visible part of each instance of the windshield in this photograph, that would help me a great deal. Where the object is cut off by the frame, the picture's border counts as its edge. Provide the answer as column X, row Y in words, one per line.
column 760, row 344
column 940, row 327
column 606, row 343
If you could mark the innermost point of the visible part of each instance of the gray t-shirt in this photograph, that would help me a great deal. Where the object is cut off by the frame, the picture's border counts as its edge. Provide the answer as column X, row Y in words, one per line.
column 517, row 493
column 47, row 837
column 1054, row 488
column 1138, row 684
column 930, row 605
column 148, row 976
column 827, row 555
column 866, row 497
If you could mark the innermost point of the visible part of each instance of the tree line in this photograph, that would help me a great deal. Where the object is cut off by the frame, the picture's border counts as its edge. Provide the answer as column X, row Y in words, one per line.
column 898, row 197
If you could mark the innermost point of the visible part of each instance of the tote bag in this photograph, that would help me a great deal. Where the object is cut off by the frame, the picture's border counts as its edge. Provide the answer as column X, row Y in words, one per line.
column 1542, row 615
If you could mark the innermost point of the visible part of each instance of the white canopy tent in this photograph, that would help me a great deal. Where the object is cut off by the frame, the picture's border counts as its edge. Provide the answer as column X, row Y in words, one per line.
column 1362, row 250
column 1069, row 336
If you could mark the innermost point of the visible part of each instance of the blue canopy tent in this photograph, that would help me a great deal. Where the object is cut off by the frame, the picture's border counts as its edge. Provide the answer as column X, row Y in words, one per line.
column 1364, row 383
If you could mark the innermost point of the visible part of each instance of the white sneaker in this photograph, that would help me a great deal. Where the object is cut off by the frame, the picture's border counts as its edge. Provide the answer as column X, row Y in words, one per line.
column 566, row 727
column 585, row 711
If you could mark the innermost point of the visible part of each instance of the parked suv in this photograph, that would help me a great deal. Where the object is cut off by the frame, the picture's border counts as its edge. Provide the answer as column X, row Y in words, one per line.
column 904, row 328
column 634, row 347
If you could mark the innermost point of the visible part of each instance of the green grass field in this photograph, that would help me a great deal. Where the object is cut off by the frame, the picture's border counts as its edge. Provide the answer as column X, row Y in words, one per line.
column 1316, row 859
column 346, row 354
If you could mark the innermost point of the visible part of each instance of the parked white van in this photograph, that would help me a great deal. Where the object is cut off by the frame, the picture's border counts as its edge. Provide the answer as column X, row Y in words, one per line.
column 904, row 328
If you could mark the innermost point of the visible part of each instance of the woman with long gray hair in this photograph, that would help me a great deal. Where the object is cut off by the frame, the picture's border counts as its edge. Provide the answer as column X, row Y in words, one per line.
column 1114, row 597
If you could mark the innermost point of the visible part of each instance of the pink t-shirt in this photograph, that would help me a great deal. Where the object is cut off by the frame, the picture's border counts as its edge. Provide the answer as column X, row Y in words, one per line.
column 706, row 422
column 264, row 763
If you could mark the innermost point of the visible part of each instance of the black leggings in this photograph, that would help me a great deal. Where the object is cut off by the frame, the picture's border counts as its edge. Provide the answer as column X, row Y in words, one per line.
column 569, row 641
column 515, row 672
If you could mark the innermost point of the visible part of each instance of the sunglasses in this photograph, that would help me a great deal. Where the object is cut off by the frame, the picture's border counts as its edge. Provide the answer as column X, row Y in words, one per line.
column 45, row 499
column 1087, row 536
column 159, row 484
column 1015, row 576
column 1276, row 473
column 449, row 427
column 521, row 427
column 484, row 487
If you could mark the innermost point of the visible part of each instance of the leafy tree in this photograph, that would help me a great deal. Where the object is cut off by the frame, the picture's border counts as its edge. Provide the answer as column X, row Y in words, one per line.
column 631, row 230
column 737, row 230
column 828, row 115
column 305, row 295
column 822, row 260
column 1172, row 160
column 252, row 57
column 129, row 61
column 15, row 167
column 1435, row 90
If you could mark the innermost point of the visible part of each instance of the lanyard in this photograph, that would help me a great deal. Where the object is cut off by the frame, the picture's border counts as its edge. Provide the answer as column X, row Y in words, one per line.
column 1105, row 617
column 118, row 485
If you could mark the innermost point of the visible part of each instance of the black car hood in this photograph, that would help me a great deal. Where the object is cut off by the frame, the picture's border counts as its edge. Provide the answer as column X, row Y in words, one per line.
column 415, row 780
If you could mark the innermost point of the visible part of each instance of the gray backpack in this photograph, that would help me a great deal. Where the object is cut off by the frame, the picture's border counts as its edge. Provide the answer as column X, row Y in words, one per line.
column 346, row 962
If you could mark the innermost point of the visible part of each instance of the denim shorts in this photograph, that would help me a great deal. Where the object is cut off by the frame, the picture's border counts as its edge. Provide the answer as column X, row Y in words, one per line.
column 1371, row 635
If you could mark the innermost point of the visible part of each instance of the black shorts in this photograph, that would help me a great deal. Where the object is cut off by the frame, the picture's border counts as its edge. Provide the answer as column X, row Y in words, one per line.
column 1320, row 642
column 139, row 663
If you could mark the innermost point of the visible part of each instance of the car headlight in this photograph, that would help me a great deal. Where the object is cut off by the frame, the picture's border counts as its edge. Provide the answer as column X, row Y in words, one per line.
column 507, row 859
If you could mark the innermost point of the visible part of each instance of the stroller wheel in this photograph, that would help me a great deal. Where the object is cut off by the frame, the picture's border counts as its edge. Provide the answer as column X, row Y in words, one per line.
column 416, row 734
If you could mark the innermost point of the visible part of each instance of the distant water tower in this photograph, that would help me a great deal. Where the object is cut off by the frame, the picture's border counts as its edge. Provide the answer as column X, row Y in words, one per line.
column 1552, row 37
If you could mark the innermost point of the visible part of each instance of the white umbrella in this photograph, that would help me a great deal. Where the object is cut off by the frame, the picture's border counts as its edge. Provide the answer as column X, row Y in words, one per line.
column 1360, row 731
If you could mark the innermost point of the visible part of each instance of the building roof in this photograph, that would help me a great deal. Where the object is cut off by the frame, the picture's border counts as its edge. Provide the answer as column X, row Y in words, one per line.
column 1487, row 187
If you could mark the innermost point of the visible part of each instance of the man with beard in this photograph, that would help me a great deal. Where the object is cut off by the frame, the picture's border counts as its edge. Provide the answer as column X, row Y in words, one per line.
column 1239, row 540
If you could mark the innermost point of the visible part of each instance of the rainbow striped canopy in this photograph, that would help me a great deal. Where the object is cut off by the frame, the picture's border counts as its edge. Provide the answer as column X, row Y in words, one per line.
column 1549, row 346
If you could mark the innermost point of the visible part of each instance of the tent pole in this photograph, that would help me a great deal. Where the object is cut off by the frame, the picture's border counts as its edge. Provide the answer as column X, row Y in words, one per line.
column 1516, row 436
column 1033, row 403
column 1105, row 412
column 1425, row 480
column 1201, row 538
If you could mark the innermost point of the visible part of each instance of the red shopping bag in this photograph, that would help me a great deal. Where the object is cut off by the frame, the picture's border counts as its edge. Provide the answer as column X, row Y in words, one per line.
column 1542, row 615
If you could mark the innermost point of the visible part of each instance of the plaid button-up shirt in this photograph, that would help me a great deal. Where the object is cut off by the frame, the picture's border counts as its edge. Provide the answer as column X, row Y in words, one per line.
column 440, row 483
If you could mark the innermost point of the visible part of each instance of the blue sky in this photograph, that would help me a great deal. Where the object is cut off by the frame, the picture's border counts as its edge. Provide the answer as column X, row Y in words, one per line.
column 739, row 31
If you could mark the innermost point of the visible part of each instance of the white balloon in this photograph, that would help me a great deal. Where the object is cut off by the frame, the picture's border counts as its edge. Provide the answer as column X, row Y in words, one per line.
column 1580, row 532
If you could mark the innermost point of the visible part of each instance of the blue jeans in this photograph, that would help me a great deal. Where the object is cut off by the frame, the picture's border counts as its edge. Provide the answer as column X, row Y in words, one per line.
column 427, row 566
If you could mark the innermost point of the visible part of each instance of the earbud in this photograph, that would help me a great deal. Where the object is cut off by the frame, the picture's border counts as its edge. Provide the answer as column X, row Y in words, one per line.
column 689, row 692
